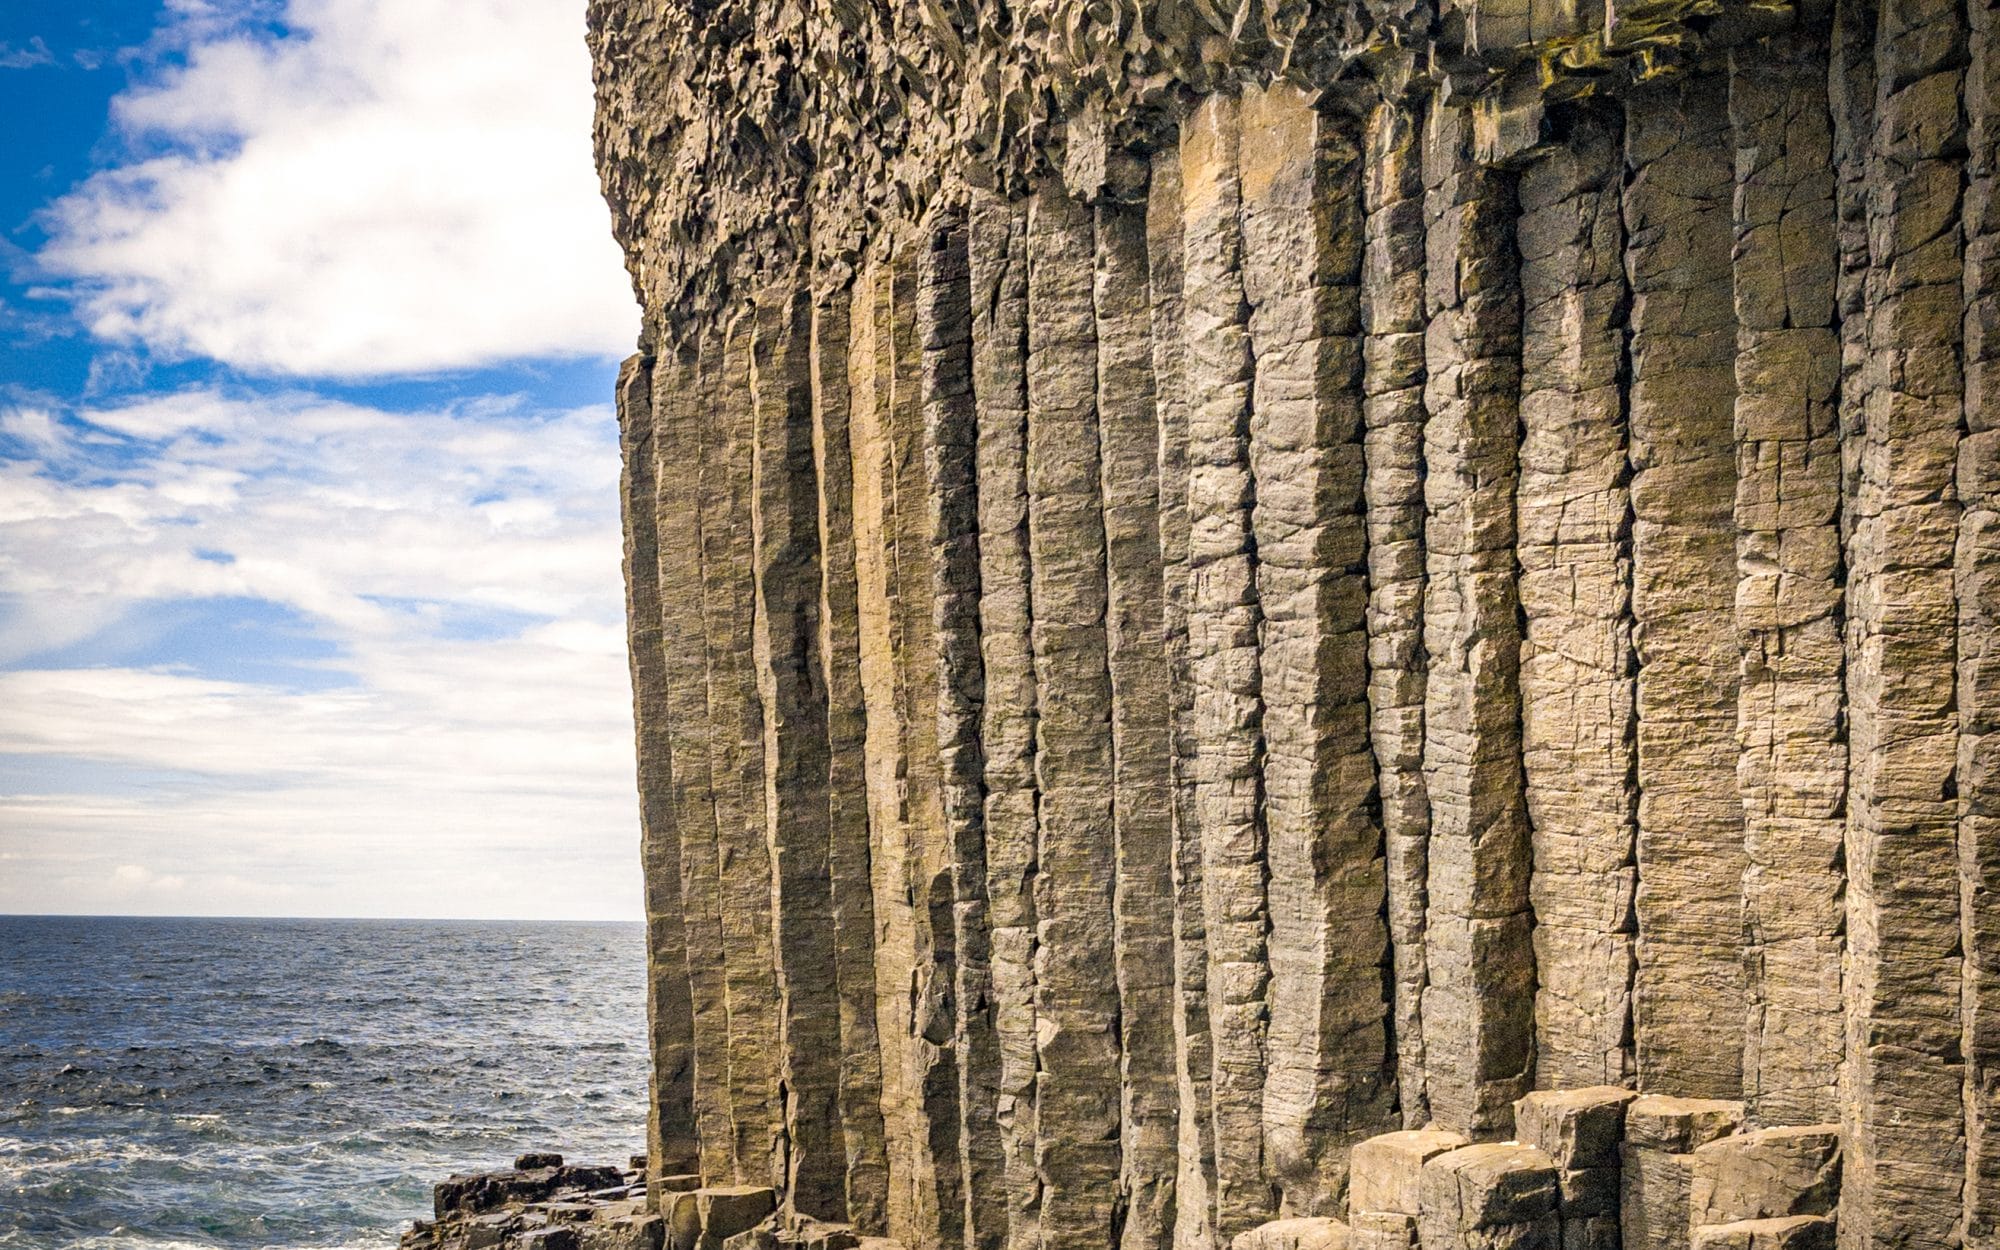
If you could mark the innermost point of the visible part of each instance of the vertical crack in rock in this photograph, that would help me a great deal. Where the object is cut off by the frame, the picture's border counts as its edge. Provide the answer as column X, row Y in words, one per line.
column 736, row 763
column 1978, row 587
column 1142, row 794
column 1194, row 1208
column 792, row 689
column 1574, row 520
column 1793, row 767
column 1223, row 624
column 1851, row 104
column 944, row 316
column 1077, row 1147
column 1688, row 1006
column 1478, row 1010
column 997, row 246
column 677, row 439
column 1328, row 1082
column 671, row 1145
column 1902, row 1170
column 1392, row 311
column 848, row 855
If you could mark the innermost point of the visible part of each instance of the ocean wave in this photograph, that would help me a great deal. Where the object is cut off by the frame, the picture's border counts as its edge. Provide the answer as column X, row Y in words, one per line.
column 289, row 1093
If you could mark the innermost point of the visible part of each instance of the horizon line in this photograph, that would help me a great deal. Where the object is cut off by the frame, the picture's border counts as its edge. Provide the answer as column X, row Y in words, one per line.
column 79, row 915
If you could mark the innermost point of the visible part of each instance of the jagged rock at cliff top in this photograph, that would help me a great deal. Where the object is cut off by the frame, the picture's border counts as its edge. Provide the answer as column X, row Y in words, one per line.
column 1213, row 581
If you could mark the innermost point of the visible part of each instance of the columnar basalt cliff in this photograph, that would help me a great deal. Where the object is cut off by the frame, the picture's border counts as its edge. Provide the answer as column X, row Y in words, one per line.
column 1317, row 623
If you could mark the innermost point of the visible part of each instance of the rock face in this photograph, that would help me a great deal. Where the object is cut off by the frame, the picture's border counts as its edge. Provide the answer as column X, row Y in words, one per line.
column 1212, row 582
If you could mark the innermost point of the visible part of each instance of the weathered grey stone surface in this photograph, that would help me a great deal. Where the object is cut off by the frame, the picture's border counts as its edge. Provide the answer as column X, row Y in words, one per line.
column 1978, row 589
column 1224, row 624
column 1210, row 582
column 1328, row 1077
column 1580, row 1129
column 1795, row 1232
column 999, row 281
column 1078, row 1090
column 944, row 317
column 1574, row 547
column 1496, row 1196
column 791, row 691
column 1392, row 313
column 848, row 878
column 1478, row 1013
column 1793, row 770
column 1141, row 687
column 1765, row 1174
column 1298, row 1233
column 1384, row 1170
column 672, row 1146
column 1688, row 1006
column 1904, row 1116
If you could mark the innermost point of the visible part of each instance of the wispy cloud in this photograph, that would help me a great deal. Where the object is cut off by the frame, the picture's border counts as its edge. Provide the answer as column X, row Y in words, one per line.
column 459, row 569
column 32, row 55
column 388, row 186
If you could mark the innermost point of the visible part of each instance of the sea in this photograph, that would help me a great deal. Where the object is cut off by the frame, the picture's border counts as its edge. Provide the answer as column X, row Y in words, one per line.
column 168, row 1084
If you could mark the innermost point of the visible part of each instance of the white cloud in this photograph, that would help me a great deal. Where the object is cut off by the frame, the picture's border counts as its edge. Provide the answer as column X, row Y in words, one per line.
column 395, row 186
column 32, row 55
column 455, row 773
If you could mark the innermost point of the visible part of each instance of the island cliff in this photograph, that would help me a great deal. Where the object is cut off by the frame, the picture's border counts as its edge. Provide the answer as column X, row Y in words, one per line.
column 1235, row 603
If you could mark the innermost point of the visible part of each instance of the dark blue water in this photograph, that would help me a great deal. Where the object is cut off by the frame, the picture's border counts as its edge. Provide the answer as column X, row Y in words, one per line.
column 298, row 1083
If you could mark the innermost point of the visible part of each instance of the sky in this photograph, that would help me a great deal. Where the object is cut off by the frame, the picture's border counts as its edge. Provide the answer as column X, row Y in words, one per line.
column 310, row 600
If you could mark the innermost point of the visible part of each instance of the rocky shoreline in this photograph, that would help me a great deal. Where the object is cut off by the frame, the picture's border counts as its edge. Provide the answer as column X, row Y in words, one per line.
column 543, row 1203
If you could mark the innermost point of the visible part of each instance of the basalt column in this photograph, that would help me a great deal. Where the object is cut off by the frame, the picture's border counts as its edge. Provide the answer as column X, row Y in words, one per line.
column 999, row 275
column 1224, row 619
column 1479, row 999
column 791, row 690
column 1193, row 1058
column 676, row 429
column 1574, row 518
column 1978, row 588
column 1392, row 312
column 671, row 1143
column 1688, row 1004
column 959, row 892
column 1141, row 748
column 914, row 1012
column 1793, row 769
column 1903, row 1116
column 1077, row 1099
column 1327, row 1072
column 848, row 853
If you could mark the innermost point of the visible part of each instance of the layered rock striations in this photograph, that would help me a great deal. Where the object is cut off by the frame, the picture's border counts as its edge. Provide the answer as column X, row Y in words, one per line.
column 1228, row 599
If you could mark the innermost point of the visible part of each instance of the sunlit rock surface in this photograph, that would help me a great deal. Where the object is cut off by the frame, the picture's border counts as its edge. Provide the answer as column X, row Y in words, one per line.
column 1210, row 582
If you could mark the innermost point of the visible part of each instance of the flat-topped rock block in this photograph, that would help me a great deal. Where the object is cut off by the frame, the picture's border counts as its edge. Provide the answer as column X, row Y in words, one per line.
column 702, row 1219
column 1306, row 1233
column 1578, row 1128
column 1491, row 1195
column 1765, row 1174
column 1383, row 1171
column 1678, row 1125
column 1795, row 1232
column 1382, row 1230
